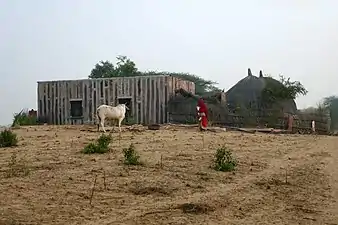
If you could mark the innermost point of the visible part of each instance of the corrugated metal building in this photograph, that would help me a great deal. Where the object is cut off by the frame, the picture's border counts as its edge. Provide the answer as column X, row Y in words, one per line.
column 75, row 101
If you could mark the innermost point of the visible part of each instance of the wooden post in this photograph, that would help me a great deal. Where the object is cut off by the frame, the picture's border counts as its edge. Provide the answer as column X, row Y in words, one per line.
column 290, row 122
column 93, row 189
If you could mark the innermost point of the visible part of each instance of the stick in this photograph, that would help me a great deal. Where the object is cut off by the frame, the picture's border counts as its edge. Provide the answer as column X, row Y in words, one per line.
column 161, row 162
column 104, row 179
column 203, row 138
column 286, row 175
column 92, row 193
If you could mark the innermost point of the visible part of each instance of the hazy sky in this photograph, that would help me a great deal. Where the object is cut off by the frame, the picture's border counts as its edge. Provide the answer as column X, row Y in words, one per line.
column 215, row 39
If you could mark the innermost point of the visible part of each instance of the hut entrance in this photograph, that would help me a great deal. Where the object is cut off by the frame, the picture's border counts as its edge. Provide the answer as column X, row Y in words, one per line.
column 127, row 102
column 76, row 111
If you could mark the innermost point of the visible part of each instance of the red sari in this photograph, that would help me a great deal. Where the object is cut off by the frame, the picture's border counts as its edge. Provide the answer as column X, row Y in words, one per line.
column 202, row 111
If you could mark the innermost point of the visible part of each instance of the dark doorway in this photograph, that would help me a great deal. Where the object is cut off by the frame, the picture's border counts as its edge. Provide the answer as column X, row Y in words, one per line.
column 127, row 102
column 76, row 110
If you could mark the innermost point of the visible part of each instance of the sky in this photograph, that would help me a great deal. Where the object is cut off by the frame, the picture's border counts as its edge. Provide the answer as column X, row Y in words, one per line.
column 216, row 39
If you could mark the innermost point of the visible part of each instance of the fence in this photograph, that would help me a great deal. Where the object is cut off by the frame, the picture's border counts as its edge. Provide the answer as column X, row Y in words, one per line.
column 183, row 110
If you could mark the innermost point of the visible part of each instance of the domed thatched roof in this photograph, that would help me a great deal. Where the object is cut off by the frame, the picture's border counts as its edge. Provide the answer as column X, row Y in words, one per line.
column 247, row 93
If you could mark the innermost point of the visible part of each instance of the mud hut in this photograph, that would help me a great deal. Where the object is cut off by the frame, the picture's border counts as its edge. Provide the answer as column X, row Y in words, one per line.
column 182, row 106
column 246, row 95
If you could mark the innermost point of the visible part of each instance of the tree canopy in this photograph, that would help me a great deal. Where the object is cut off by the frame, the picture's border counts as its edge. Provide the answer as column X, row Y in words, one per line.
column 125, row 67
column 285, row 89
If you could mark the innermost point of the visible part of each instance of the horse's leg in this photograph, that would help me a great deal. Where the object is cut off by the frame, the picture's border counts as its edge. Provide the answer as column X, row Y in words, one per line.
column 120, row 121
column 113, row 125
column 102, row 125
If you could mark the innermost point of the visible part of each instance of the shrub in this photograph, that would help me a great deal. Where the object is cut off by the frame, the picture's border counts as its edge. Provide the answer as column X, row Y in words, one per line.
column 23, row 118
column 130, row 156
column 101, row 146
column 129, row 121
column 8, row 138
column 224, row 161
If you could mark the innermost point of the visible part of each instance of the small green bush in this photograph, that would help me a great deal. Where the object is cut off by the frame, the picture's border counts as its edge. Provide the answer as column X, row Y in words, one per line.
column 224, row 161
column 130, row 156
column 23, row 119
column 101, row 146
column 8, row 139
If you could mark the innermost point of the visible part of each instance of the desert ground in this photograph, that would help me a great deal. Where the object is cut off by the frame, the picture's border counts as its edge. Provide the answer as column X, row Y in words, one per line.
column 280, row 179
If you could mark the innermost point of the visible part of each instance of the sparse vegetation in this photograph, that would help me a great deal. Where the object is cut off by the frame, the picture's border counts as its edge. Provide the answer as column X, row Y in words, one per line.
column 23, row 119
column 186, row 187
column 101, row 146
column 8, row 138
column 16, row 169
column 131, row 157
column 224, row 161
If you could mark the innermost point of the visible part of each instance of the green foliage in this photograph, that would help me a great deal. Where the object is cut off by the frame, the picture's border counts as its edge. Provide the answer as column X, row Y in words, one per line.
column 125, row 67
column 130, row 156
column 8, row 138
column 101, row 146
column 283, row 90
column 23, row 119
column 103, row 69
column 224, row 161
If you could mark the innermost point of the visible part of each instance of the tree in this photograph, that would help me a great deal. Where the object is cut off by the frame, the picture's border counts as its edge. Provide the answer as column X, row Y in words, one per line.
column 102, row 69
column 331, row 104
column 285, row 89
column 125, row 67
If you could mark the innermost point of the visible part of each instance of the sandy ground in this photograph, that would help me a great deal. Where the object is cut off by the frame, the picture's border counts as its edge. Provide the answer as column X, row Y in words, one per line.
column 280, row 179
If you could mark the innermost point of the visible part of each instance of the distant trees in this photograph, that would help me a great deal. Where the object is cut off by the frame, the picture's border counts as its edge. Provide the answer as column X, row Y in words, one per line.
column 125, row 67
column 331, row 104
column 326, row 105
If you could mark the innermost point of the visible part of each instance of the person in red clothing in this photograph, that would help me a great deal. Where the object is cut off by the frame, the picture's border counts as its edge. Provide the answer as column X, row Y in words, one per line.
column 202, row 112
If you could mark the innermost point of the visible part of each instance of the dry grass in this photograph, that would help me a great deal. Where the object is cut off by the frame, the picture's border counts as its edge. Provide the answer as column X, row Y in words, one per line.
column 280, row 179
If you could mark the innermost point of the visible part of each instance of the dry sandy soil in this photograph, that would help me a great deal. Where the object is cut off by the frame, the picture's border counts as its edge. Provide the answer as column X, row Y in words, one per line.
column 280, row 179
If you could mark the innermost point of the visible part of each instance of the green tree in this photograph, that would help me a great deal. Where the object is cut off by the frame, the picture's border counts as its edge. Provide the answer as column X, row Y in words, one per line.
column 102, row 69
column 285, row 89
column 125, row 67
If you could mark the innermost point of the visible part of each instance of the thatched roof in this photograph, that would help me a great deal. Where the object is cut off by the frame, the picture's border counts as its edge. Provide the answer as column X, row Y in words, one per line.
column 248, row 92
column 215, row 97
